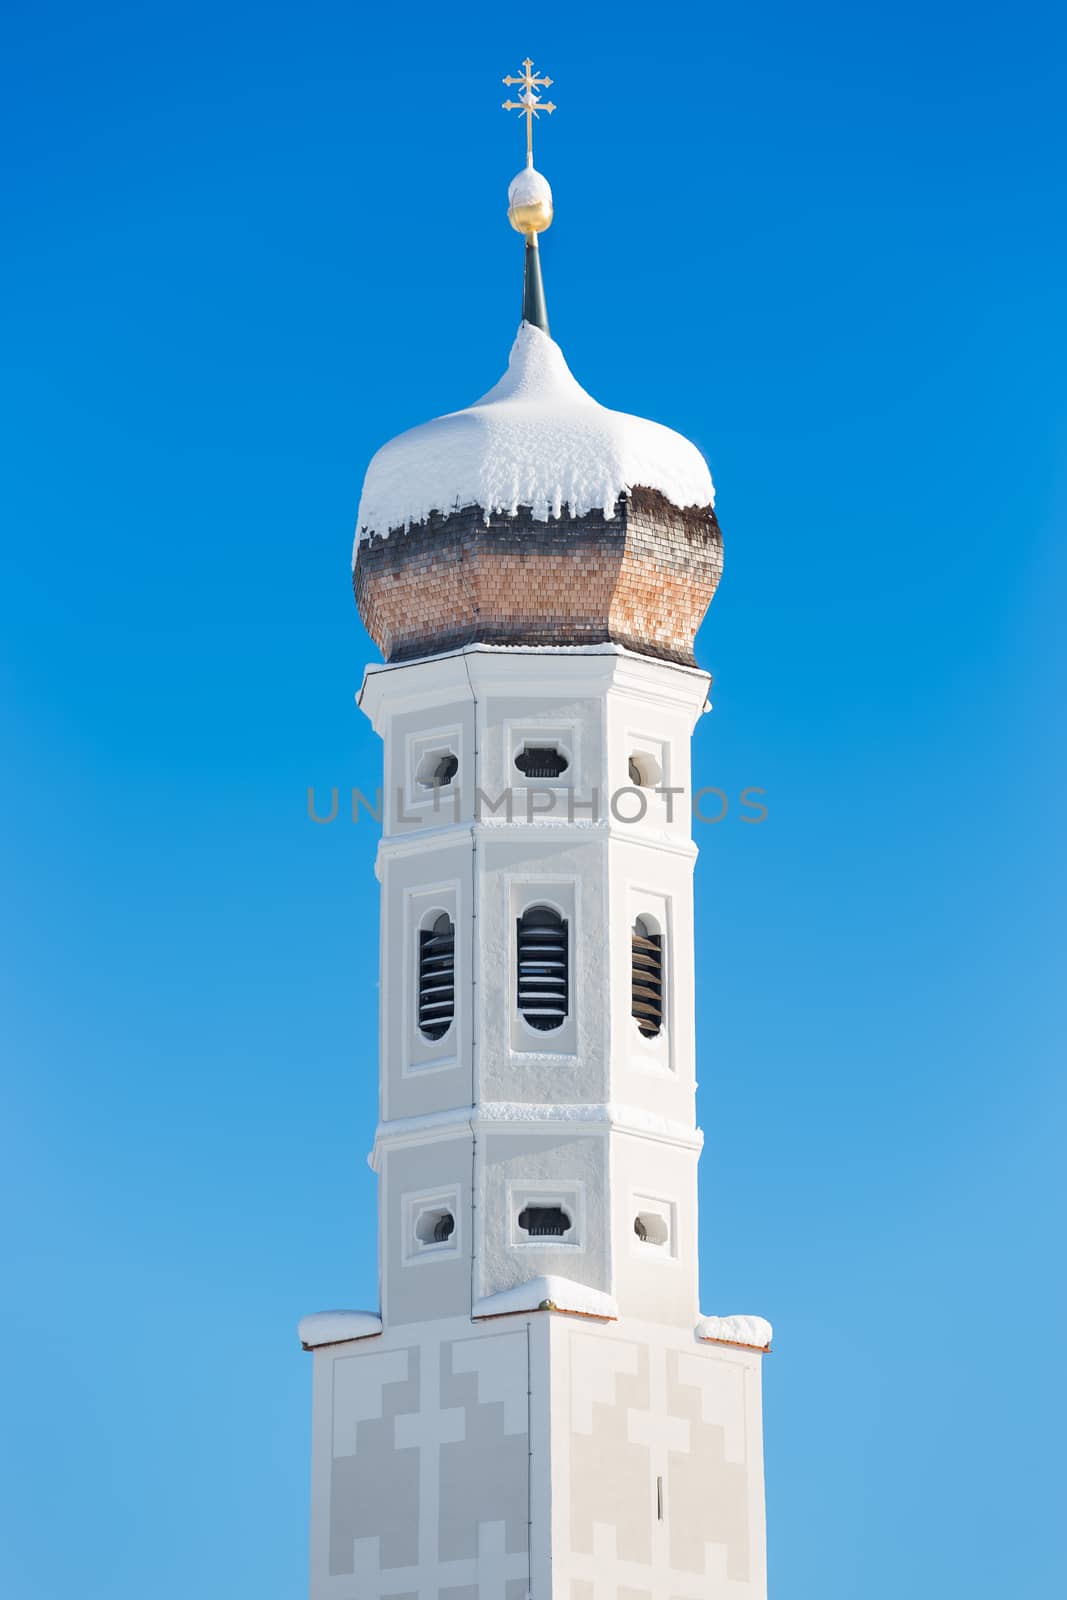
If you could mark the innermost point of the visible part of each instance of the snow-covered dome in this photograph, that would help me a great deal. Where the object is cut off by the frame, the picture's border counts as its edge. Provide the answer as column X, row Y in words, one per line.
column 536, row 517
column 536, row 440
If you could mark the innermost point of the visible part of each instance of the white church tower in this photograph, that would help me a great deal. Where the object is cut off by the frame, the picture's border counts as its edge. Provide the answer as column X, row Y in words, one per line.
column 537, row 1410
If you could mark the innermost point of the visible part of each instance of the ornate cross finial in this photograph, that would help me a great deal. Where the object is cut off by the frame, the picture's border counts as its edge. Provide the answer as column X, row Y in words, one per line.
column 529, row 102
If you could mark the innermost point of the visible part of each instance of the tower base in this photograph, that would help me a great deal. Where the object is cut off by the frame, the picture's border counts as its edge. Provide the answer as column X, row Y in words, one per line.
column 540, row 1456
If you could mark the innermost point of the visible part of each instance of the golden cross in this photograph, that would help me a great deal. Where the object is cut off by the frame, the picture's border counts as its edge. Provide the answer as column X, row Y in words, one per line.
column 529, row 102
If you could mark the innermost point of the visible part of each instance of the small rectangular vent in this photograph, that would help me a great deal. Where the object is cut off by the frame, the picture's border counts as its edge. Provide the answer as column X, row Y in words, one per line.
column 541, row 761
column 544, row 1222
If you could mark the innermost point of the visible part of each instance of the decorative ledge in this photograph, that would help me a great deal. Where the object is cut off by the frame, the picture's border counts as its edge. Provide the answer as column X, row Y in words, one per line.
column 337, row 1327
column 548, row 1294
column 520, row 1115
column 748, row 1333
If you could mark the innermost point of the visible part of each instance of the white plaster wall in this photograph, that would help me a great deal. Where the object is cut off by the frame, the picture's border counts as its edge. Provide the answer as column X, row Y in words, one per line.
column 570, row 720
column 658, row 1282
column 600, row 707
column 633, row 1403
column 415, row 707
column 520, row 1456
column 526, row 866
column 430, row 1463
column 651, row 710
column 548, row 1167
column 415, row 1286
column 420, row 1075
column 658, row 1075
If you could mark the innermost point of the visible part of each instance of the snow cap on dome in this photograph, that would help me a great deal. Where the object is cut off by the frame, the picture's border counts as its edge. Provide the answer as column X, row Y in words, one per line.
column 536, row 439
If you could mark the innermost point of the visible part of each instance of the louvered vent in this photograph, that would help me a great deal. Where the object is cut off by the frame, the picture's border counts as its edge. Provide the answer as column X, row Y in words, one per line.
column 541, row 761
column 542, row 960
column 544, row 1222
column 437, row 977
column 647, row 979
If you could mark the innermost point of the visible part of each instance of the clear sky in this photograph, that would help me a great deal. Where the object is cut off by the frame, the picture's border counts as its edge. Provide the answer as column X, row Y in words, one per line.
column 245, row 244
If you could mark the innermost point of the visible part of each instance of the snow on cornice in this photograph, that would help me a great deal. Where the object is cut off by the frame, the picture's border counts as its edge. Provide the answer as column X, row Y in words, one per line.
column 755, row 1333
column 334, row 1327
column 536, row 439
column 548, row 1294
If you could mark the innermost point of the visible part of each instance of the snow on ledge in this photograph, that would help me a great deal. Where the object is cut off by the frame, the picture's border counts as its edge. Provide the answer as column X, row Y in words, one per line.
column 755, row 1333
column 548, row 1294
column 334, row 1327
column 536, row 439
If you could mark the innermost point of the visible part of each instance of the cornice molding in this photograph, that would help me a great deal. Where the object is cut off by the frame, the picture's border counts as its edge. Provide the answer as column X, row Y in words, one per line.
column 515, row 1116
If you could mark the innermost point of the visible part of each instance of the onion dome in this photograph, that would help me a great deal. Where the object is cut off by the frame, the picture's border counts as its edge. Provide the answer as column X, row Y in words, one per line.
column 536, row 516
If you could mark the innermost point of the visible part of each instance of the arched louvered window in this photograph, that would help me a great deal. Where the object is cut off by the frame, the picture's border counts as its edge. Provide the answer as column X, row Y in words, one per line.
column 646, row 990
column 543, row 980
column 437, row 977
column 541, row 761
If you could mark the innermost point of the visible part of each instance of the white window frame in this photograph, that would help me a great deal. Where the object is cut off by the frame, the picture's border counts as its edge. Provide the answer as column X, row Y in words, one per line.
column 446, row 739
column 417, row 1203
column 667, row 1211
column 655, row 1054
column 564, row 736
column 422, row 1055
column 524, row 894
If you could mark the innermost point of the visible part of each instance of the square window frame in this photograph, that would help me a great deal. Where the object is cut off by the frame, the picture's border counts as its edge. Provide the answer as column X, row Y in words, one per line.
column 415, row 1203
column 660, row 1207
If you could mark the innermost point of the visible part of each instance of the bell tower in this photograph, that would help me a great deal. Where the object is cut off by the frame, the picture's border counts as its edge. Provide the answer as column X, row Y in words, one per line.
column 537, row 1408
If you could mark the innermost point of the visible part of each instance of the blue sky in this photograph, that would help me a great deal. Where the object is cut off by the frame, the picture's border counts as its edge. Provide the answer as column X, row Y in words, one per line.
column 243, row 246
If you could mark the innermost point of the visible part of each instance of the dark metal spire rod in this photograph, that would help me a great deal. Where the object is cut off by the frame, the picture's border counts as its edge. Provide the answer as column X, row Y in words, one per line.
column 534, row 308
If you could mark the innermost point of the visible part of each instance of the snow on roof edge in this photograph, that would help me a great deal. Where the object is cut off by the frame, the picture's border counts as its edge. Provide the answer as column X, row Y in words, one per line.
column 754, row 1332
column 334, row 1327
column 549, row 1293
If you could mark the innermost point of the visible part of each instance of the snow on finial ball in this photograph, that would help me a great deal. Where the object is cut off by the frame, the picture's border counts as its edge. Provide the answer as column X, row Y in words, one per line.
column 529, row 202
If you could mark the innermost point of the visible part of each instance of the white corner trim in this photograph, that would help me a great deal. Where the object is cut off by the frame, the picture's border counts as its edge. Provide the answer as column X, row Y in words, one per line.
column 549, row 1293
column 335, row 1327
column 755, row 1333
